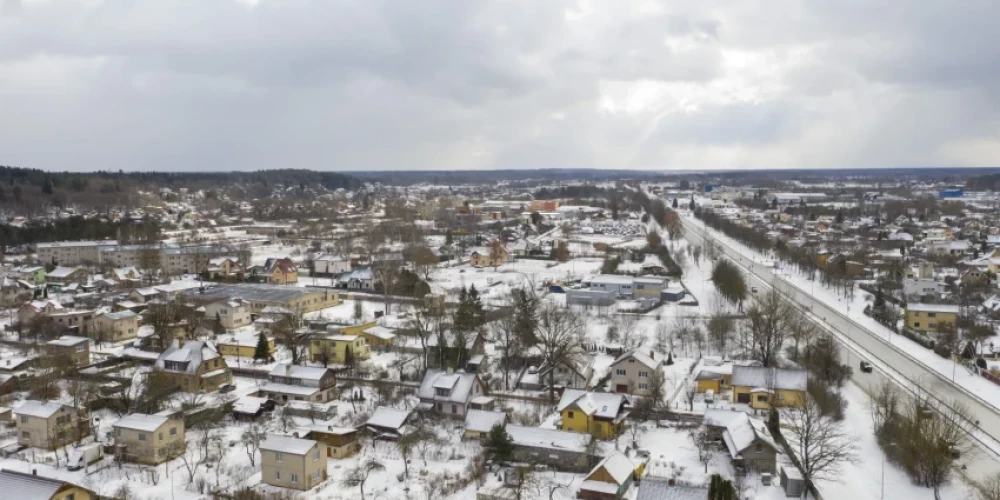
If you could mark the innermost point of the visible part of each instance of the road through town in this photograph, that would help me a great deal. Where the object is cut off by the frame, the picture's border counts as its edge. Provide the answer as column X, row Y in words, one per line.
column 859, row 343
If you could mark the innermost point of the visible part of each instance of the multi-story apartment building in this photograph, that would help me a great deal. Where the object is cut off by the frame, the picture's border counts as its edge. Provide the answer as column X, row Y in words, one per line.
column 67, row 348
column 68, row 253
column 193, row 366
column 116, row 326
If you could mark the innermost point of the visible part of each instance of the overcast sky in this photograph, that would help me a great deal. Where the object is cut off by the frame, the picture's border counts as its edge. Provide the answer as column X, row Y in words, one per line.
column 477, row 84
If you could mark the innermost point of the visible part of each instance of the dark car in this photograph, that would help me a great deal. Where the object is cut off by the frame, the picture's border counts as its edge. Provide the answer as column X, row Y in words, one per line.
column 226, row 388
column 866, row 367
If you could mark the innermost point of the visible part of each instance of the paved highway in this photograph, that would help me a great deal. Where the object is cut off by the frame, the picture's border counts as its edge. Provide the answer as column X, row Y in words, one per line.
column 859, row 343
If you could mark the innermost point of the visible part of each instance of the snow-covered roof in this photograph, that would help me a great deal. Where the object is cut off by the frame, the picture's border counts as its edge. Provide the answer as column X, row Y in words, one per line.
column 648, row 358
column 299, row 390
column 40, row 409
column 248, row 405
column 28, row 486
column 743, row 432
column 68, row 341
column 934, row 308
column 62, row 272
column 141, row 422
column 389, row 418
column 661, row 489
column 618, row 466
column 778, row 378
column 721, row 418
column 380, row 332
column 600, row 404
column 459, row 385
column 120, row 315
column 194, row 352
column 298, row 372
column 537, row 437
column 483, row 421
column 285, row 444
column 599, row 486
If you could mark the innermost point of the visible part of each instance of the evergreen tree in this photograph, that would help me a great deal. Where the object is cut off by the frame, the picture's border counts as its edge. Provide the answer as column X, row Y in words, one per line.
column 674, row 204
column 448, row 238
column 17, row 193
column 263, row 350
column 773, row 422
column 217, row 326
column 3, row 196
column 465, row 317
column 47, row 187
column 476, row 305
column 359, row 312
column 348, row 357
column 670, row 358
column 498, row 445
column 691, row 205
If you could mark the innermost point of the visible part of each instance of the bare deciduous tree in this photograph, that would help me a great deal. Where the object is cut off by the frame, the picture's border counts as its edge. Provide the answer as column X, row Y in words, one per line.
column 359, row 474
column 820, row 444
column 560, row 338
column 763, row 333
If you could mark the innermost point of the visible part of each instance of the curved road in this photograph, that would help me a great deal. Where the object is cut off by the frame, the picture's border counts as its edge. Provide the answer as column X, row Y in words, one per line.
column 862, row 343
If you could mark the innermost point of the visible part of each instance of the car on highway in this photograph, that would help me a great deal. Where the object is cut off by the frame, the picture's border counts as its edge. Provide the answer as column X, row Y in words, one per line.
column 753, row 289
column 866, row 367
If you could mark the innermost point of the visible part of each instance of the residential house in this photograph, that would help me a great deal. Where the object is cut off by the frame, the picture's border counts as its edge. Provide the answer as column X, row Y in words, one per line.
column 574, row 374
column 62, row 276
column 242, row 344
column 290, row 462
column 74, row 351
column 31, row 274
column 664, row 489
column 597, row 413
column 379, row 337
column 338, row 348
column 450, row 393
column 649, row 287
column 249, row 408
column 633, row 372
column 361, row 278
column 609, row 480
column 193, row 366
column 287, row 382
column 494, row 255
column 945, row 247
column 622, row 286
column 127, row 277
column 930, row 318
column 79, row 321
column 224, row 267
column 116, row 326
column 15, row 290
column 478, row 423
column 559, row 449
column 763, row 387
column 340, row 442
column 36, row 308
column 919, row 287
column 715, row 378
column 22, row 486
column 975, row 278
column 281, row 271
column 387, row 423
column 143, row 295
column 49, row 425
column 750, row 444
column 331, row 265
column 261, row 296
column 148, row 439
column 232, row 313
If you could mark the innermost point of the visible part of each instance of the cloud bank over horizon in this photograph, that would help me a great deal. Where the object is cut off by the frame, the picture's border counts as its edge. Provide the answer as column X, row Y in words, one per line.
column 362, row 85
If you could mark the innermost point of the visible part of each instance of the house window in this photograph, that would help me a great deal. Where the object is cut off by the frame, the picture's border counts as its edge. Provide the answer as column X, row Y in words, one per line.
column 71, row 496
column 916, row 325
column 643, row 386
column 142, row 437
column 24, row 419
column 278, row 457
column 316, row 474
column 173, row 431
column 25, row 434
column 316, row 455
column 643, row 374
column 569, row 414
column 620, row 372
column 277, row 475
column 454, row 409
column 161, row 436
column 931, row 315
column 758, row 448
column 295, row 478
column 761, row 398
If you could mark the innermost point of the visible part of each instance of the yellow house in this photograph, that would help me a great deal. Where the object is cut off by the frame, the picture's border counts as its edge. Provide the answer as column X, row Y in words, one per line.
column 761, row 387
column 714, row 378
column 597, row 413
column 357, row 329
column 281, row 271
column 379, row 336
column 242, row 345
column 333, row 349
column 930, row 318
column 489, row 256
column 35, row 487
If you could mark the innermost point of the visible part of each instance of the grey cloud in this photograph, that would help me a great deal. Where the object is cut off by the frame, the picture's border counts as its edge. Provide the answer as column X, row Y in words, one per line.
column 437, row 84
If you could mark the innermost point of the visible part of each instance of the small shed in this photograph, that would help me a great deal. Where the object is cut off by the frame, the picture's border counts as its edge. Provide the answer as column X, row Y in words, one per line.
column 791, row 481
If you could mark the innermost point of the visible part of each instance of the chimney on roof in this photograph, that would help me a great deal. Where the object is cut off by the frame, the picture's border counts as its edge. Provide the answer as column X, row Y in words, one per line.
column 288, row 370
column 652, row 354
column 34, row 472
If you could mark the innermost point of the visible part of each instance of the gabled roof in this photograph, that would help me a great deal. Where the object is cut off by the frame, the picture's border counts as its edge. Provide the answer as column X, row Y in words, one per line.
column 40, row 409
column 389, row 418
column 741, row 433
column 661, row 489
column 483, row 421
column 141, row 422
column 286, row 444
column 298, row 372
column 777, row 378
column 600, row 404
column 21, row 486
column 194, row 352
column 935, row 308
column 68, row 341
column 648, row 358
column 62, row 272
column 459, row 384
column 618, row 466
